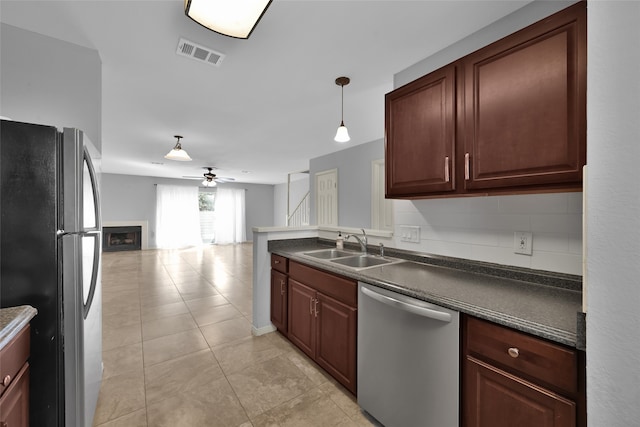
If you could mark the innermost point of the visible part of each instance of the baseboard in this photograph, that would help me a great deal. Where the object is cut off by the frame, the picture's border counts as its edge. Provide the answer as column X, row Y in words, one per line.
column 261, row 331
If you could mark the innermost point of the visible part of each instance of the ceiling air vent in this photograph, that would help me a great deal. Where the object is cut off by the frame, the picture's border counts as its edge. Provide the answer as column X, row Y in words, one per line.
column 199, row 53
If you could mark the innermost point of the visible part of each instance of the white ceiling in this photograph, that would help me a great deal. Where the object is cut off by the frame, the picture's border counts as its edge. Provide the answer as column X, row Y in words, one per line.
column 273, row 103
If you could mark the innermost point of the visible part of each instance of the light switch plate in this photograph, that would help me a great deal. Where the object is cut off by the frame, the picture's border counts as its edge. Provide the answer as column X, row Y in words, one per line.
column 410, row 233
column 523, row 242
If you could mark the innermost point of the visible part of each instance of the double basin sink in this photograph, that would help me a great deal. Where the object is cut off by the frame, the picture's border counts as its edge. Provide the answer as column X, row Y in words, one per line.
column 352, row 259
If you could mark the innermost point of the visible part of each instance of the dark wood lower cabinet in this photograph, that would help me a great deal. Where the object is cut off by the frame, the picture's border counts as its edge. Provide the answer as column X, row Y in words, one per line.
column 302, row 325
column 513, row 379
column 14, row 404
column 279, row 307
column 336, row 339
column 322, row 320
column 495, row 398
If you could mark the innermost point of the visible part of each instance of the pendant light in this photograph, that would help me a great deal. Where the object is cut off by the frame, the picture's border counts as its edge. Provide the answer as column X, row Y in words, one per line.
column 178, row 153
column 233, row 18
column 342, row 135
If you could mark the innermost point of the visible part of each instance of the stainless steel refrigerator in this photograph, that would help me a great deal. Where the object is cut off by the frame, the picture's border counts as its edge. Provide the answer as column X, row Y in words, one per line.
column 50, row 258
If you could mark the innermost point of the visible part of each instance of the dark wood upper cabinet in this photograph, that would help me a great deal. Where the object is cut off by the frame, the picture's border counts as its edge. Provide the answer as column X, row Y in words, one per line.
column 525, row 115
column 508, row 118
column 420, row 135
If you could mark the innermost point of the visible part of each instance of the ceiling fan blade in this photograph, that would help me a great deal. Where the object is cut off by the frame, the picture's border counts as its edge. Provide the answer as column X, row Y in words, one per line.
column 224, row 179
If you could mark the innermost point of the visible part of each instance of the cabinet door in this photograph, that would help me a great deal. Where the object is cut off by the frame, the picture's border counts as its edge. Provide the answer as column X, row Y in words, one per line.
column 14, row 405
column 420, row 135
column 336, row 346
column 302, row 317
column 494, row 398
column 279, row 300
column 525, row 106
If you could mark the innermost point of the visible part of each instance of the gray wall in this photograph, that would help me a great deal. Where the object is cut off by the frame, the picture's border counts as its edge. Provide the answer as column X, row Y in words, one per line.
column 49, row 81
column 299, row 188
column 354, row 182
column 133, row 198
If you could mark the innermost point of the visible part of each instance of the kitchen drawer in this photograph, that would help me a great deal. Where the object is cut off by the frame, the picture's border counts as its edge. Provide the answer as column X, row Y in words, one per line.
column 13, row 356
column 280, row 263
column 530, row 357
column 343, row 289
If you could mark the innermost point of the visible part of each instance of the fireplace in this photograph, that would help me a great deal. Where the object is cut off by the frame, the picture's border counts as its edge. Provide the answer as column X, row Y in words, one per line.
column 126, row 238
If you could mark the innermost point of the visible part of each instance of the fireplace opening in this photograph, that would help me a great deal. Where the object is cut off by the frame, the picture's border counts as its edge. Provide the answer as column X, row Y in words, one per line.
column 121, row 238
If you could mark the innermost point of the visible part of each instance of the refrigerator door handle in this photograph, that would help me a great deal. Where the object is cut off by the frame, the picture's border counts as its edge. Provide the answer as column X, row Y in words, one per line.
column 61, row 233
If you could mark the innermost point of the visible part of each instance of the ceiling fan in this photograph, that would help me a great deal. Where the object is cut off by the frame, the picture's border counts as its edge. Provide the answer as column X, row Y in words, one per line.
column 210, row 178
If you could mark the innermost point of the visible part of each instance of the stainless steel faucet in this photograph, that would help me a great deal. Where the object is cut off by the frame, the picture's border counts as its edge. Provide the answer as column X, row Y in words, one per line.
column 362, row 240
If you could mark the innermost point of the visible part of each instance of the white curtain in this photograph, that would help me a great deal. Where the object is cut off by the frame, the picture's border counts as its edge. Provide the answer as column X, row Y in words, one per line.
column 177, row 217
column 230, row 216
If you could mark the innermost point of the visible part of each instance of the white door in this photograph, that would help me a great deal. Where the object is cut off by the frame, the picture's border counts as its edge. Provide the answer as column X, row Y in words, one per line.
column 327, row 197
column 381, row 208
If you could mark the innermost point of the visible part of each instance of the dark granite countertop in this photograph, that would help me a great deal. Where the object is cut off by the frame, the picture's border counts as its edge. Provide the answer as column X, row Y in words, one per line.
column 542, row 303
column 12, row 320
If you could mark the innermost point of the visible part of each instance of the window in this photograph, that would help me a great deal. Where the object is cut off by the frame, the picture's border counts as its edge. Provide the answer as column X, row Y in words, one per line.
column 206, row 203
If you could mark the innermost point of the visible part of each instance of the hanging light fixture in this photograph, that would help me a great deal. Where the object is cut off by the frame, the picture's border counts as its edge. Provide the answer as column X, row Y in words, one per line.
column 178, row 153
column 233, row 18
column 209, row 179
column 342, row 135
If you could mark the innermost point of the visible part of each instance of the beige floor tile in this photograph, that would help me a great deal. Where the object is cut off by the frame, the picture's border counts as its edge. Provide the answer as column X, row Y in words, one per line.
column 242, row 354
column 187, row 376
column 171, row 346
column 120, row 395
column 122, row 360
column 266, row 385
column 134, row 419
column 227, row 331
column 166, row 326
column 313, row 409
column 220, row 313
column 207, row 302
column 212, row 404
column 118, row 318
column 122, row 336
column 163, row 299
column 180, row 375
column 165, row 310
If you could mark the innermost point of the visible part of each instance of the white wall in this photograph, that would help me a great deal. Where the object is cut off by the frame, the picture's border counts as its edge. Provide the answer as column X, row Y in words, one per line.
column 613, row 206
column 49, row 81
column 482, row 228
column 133, row 198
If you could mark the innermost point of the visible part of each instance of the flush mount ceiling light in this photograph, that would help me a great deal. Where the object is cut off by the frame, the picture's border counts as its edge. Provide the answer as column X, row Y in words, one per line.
column 178, row 153
column 209, row 178
column 342, row 135
column 233, row 18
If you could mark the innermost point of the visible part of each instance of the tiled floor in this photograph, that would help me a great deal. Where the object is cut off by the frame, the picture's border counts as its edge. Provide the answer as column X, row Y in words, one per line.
column 178, row 349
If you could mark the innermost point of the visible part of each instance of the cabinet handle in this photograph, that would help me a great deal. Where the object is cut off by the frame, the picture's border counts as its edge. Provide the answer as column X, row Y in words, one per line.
column 446, row 169
column 316, row 308
column 513, row 352
column 281, row 287
column 4, row 424
column 311, row 306
column 6, row 380
column 466, row 166
column 277, row 261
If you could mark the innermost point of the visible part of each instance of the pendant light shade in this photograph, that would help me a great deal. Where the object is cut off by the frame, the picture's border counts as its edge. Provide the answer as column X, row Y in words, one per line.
column 233, row 18
column 342, row 135
column 177, row 153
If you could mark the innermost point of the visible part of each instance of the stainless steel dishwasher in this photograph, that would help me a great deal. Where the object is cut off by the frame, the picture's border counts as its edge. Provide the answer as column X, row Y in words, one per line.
column 408, row 360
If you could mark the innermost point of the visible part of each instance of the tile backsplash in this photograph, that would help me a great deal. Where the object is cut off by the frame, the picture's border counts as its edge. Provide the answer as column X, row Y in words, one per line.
column 482, row 228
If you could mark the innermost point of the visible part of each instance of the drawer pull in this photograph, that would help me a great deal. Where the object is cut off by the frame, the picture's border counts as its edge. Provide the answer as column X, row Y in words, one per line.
column 513, row 352
column 276, row 261
column 6, row 380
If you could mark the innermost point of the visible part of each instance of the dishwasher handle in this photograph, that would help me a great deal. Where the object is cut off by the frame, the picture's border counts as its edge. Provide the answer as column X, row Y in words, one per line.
column 402, row 305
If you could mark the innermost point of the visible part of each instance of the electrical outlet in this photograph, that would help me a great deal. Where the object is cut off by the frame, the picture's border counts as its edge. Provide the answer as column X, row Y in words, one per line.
column 523, row 242
column 410, row 233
